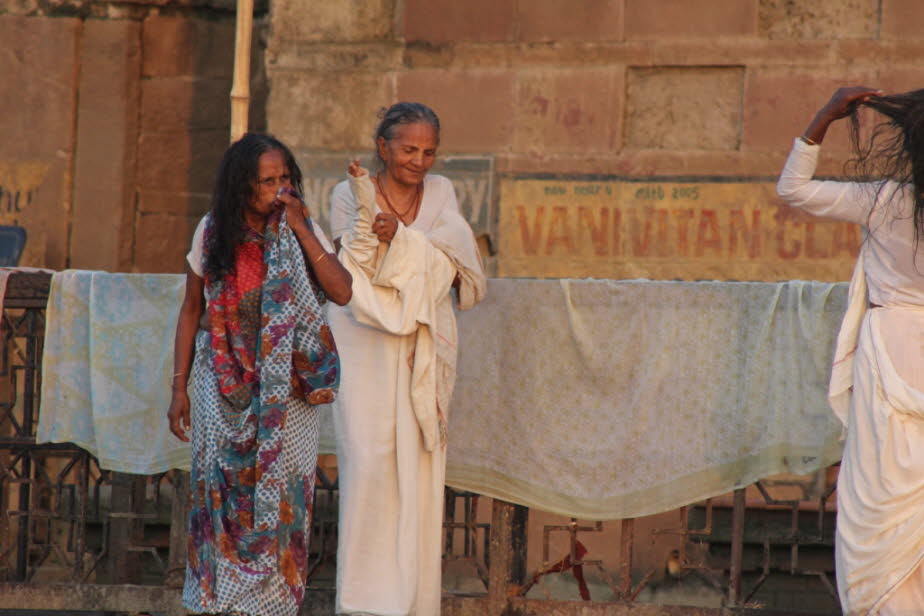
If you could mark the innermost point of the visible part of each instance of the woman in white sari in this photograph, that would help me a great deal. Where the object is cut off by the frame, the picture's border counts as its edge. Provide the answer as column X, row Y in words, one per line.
column 408, row 246
column 877, row 383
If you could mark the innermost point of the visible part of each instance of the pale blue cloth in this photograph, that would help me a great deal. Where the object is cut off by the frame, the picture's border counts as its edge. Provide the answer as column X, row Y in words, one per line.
column 106, row 368
column 598, row 399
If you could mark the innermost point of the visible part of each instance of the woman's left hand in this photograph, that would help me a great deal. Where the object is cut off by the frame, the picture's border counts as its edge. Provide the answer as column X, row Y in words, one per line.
column 385, row 226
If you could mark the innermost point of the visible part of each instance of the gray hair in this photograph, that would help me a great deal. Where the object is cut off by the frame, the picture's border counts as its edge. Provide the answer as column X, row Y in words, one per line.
column 402, row 114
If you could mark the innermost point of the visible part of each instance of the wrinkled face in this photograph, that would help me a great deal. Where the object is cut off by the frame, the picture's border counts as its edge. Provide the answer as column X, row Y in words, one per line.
column 272, row 173
column 410, row 153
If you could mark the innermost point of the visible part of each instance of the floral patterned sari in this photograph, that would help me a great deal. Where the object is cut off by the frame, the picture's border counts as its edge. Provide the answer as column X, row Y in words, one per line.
column 267, row 360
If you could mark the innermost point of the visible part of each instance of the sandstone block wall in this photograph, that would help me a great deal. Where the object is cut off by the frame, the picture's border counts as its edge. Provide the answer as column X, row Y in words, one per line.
column 115, row 113
column 114, row 116
column 513, row 79
column 599, row 90
column 37, row 98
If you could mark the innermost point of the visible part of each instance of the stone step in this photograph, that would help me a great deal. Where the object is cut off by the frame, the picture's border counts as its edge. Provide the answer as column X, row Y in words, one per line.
column 762, row 524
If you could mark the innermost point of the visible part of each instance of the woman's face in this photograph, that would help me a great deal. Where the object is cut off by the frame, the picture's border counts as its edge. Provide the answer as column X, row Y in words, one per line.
column 410, row 153
column 272, row 173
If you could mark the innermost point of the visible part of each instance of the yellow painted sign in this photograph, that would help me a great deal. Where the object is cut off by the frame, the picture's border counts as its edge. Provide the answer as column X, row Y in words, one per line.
column 19, row 183
column 21, row 204
column 688, row 230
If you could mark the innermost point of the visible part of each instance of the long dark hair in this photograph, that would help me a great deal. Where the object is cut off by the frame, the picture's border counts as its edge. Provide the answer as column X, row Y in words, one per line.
column 895, row 148
column 238, row 172
column 400, row 114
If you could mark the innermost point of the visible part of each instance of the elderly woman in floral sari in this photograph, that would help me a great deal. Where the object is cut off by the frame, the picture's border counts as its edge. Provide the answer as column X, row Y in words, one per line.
column 253, row 356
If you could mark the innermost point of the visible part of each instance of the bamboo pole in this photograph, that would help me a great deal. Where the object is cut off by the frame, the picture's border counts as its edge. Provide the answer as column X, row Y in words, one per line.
column 240, row 89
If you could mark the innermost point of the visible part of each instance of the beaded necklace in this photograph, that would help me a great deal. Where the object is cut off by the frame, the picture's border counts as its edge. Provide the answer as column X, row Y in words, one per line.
column 411, row 209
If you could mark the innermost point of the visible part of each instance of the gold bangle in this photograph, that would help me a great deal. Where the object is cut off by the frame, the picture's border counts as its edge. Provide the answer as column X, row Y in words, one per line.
column 808, row 141
column 318, row 260
column 178, row 374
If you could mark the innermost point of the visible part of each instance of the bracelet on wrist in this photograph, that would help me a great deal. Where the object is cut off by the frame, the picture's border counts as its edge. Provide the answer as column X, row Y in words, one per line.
column 808, row 140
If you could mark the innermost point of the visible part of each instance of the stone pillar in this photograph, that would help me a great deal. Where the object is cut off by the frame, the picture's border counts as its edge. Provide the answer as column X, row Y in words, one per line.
column 107, row 139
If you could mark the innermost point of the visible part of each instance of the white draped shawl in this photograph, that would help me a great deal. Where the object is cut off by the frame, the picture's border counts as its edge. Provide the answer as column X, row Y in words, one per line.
column 404, row 288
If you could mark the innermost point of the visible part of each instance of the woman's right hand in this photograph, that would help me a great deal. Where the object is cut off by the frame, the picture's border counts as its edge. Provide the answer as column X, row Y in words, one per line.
column 841, row 105
column 355, row 169
column 844, row 100
column 178, row 415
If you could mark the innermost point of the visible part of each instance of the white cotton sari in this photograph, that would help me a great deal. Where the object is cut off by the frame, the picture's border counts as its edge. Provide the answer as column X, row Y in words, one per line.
column 877, row 391
column 397, row 342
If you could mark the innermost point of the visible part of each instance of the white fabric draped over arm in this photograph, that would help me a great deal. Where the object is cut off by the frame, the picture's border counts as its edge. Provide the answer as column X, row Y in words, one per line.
column 402, row 288
column 342, row 210
column 451, row 234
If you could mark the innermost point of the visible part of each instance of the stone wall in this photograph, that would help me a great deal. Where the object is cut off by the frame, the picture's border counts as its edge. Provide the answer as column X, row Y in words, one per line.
column 116, row 112
column 599, row 95
column 114, row 116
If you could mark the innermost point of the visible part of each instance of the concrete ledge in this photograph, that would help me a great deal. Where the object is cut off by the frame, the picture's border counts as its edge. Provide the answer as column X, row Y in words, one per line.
column 157, row 600
column 166, row 601
column 91, row 597
column 534, row 607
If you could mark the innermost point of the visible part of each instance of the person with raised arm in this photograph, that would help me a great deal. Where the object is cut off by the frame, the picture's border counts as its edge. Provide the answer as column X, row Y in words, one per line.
column 877, row 380
column 407, row 247
column 253, row 357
